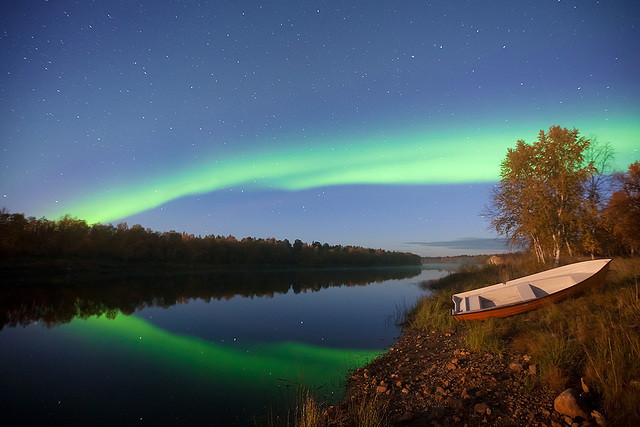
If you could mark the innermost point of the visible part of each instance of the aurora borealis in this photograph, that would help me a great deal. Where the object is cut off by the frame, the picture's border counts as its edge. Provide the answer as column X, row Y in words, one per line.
column 375, row 124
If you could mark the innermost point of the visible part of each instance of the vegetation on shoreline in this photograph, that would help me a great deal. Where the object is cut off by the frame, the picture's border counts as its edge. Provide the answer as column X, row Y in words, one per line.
column 70, row 238
column 594, row 338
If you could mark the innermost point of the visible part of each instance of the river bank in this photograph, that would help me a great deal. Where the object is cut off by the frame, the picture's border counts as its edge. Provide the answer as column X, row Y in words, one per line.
column 432, row 378
column 507, row 371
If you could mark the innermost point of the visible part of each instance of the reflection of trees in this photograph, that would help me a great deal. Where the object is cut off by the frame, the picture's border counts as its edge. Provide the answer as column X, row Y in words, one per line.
column 52, row 304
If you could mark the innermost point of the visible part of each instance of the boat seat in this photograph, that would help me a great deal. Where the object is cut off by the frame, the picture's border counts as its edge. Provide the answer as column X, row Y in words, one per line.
column 525, row 291
column 473, row 303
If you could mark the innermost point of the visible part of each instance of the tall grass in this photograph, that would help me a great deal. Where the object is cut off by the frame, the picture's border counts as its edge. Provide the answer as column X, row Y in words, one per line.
column 434, row 313
column 487, row 336
column 367, row 411
column 595, row 337
column 312, row 414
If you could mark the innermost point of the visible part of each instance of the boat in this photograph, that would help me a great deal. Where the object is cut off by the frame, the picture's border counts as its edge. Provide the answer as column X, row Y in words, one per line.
column 529, row 292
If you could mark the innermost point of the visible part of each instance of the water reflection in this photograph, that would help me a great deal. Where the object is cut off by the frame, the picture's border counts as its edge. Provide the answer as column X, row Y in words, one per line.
column 207, row 349
column 52, row 304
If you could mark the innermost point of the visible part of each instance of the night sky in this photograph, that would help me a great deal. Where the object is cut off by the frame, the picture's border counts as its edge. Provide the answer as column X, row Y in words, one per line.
column 372, row 123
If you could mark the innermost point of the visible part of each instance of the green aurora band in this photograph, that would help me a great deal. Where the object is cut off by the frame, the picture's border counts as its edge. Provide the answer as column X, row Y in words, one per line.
column 441, row 157
column 251, row 369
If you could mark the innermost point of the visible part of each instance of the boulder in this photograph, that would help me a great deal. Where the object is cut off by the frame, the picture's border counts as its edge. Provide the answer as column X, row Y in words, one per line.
column 496, row 260
column 570, row 403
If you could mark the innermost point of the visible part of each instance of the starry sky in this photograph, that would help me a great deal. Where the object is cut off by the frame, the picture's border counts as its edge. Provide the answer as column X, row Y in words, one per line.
column 372, row 123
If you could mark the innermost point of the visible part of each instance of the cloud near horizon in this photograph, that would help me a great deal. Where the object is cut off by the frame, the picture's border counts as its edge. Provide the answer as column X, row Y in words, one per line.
column 471, row 243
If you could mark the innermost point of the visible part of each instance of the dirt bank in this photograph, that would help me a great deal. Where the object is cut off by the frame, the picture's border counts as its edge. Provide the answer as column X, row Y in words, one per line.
column 431, row 379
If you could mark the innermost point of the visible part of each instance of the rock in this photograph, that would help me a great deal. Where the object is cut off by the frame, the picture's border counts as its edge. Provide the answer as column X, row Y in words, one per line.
column 382, row 388
column 600, row 420
column 515, row 367
column 451, row 367
column 496, row 260
column 526, row 358
column 569, row 403
column 481, row 408
column 533, row 369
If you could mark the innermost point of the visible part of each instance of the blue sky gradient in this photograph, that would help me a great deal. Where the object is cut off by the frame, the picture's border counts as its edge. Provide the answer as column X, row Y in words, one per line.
column 365, row 123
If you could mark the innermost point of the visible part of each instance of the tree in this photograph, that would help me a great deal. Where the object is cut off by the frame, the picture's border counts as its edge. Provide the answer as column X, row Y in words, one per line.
column 539, row 200
column 592, row 223
column 624, row 208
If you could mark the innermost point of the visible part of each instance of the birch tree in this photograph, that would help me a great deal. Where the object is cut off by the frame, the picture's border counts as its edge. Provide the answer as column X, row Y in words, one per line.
column 539, row 200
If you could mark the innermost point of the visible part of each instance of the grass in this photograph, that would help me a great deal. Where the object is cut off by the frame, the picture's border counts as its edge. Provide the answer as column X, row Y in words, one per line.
column 369, row 411
column 594, row 338
column 312, row 414
column 486, row 336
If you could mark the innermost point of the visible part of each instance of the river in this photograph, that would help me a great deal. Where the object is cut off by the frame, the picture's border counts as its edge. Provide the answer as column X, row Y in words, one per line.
column 232, row 348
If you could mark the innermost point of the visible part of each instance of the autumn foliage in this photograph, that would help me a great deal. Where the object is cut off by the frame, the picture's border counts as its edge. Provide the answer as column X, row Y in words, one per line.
column 551, row 201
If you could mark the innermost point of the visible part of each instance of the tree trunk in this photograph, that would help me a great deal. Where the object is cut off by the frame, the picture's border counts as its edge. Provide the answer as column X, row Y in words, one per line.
column 556, row 251
column 538, row 248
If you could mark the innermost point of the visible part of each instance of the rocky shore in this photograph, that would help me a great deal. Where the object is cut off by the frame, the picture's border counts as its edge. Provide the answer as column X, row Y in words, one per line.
column 431, row 379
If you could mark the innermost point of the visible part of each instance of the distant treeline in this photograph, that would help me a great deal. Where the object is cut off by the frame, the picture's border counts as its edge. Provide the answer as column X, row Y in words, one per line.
column 74, row 238
column 456, row 259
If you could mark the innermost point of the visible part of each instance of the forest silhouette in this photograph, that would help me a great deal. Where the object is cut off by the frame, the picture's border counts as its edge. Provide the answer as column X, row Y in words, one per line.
column 72, row 238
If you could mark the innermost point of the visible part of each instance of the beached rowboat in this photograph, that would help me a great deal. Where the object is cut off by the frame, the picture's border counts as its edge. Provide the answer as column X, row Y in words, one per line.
column 530, row 292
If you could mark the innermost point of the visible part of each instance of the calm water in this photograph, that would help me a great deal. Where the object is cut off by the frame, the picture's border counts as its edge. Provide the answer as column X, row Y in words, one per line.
column 225, row 349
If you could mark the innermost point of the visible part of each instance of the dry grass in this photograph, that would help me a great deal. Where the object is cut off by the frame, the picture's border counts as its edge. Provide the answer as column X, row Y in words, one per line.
column 311, row 414
column 595, row 337
column 369, row 411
